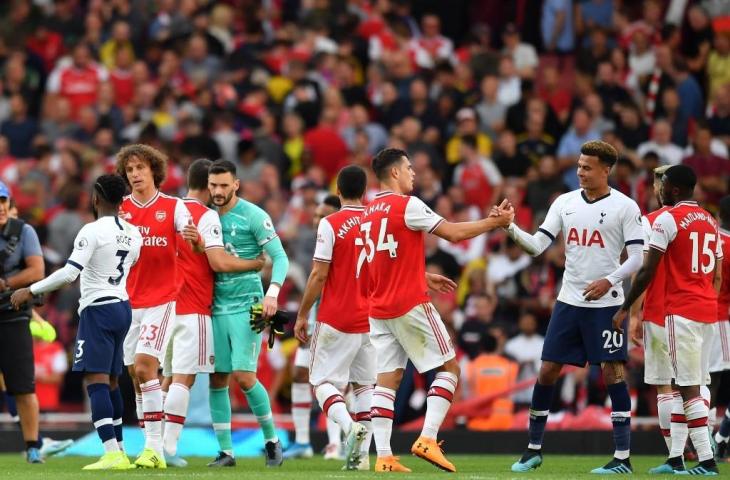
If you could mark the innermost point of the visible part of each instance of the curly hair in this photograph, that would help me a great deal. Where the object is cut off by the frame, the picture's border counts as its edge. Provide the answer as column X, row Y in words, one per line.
column 154, row 158
column 604, row 151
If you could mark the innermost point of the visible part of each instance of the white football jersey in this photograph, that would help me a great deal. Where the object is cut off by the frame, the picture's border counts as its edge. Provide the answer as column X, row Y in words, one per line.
column 104, row 251
column 595, row 234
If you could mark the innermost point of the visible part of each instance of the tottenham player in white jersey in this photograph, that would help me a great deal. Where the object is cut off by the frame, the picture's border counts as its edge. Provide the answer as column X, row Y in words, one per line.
column 103, row 253
column 597, row 223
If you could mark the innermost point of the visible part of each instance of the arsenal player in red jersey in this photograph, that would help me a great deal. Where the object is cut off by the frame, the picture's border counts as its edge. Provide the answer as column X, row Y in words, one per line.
column 403, row 323
column 685, row 237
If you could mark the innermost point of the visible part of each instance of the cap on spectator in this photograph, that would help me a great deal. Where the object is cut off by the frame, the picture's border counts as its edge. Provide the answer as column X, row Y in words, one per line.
column 4, row 191
column 466, row 114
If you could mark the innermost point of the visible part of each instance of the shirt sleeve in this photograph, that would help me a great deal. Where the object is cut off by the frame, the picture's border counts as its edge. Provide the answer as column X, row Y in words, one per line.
column 210, row 229
column 663, row 232
column 262, row 228
column 553, row 223
column 718, row 247
column 418, row 216
column 646, row 229
column 182, row 215
column 633, row 227
column 325, row 242
column 29, row 243
column 84, row 246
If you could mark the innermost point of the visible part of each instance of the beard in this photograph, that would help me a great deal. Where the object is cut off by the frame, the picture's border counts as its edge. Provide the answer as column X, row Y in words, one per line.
column 220, row 200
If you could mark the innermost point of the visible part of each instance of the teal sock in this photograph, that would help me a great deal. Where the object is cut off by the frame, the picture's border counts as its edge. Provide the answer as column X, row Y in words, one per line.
column 220, row 413
column 258, row 400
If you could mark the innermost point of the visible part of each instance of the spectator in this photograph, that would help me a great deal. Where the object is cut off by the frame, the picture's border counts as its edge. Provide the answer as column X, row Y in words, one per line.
column 711, row 170
column 509, row 161
column 661, row 143
column 120, row 40
column 580, row 132
column 503, row 267
column 199, row 65
column 547, row 185
column 431, row 47
column 591, row 15
column 360, row 120
column 490, row 111
column 718, row 63
column 477, row 175
column 467, row 124
column 79, row 81
column 479, row 310
column 509, row 91
column 324, row 144
column 523, row 54
column 50, row 367
column 19, row 129
column 630, row 127
column 535, row 143
column 558, row 34
column 691, row 102
column 597, row 52
column 526, row 349
column 554, row 91
column 672, row 113
column 719, row 120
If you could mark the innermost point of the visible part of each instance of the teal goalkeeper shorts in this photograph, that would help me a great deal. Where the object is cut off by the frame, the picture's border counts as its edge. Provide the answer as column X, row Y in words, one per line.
column 237, row 347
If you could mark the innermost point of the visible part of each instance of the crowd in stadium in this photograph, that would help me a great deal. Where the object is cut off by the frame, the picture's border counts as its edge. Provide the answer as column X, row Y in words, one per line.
column 291, row 91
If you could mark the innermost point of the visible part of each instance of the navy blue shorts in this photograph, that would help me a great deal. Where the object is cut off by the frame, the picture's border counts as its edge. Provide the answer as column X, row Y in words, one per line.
column 577, row 335
column 100, row 339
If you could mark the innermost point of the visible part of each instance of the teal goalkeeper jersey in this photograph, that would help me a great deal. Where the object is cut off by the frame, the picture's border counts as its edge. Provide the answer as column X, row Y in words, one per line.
column 246, row 229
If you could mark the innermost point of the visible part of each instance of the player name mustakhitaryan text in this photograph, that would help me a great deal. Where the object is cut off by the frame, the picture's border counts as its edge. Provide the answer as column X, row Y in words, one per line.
column 692, row 217
column 377, row 207
column 345, row 227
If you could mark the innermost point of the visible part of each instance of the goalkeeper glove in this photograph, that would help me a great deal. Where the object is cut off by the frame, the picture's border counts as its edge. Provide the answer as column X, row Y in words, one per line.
column 277, row 322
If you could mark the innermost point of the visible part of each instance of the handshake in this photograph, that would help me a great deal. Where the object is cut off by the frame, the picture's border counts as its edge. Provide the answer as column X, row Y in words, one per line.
column 504, row 213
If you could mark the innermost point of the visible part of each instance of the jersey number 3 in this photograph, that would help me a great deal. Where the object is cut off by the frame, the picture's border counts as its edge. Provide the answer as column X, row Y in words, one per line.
column 122, row 254
column 386, row 243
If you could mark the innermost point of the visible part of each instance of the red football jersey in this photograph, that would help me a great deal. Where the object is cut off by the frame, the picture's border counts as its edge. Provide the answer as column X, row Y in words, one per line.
column 196, row 276
column 690, row 239
column 79, row 85
column 153, row 279
column 653, row 310
column 723, row 298
column 339, row 243
column 392, row 229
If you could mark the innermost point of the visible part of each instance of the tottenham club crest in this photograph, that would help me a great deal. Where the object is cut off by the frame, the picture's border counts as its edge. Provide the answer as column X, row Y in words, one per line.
column 160, row 215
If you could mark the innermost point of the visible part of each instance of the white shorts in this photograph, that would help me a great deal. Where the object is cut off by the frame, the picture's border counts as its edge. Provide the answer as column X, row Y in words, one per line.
column 190, row 350
column 657, row 365
column 419, row 335
column 720, row 350
column 150, row 332
column 302, row 357
column 689, row 345
column 340, row 358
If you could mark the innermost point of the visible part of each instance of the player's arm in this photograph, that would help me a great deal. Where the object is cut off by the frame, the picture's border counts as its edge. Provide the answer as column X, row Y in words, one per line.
column 717, row 279
column 30, row 248
column 222, row 262
column 457, row 231
column 313, row 290
column 263, row 230
column 535, row 244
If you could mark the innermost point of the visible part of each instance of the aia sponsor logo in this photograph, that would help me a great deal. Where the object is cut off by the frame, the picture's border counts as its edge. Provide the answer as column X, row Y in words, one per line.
column 585, row 239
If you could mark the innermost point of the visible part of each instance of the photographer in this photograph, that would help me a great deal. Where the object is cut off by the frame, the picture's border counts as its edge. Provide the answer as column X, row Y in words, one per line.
column 21, row 263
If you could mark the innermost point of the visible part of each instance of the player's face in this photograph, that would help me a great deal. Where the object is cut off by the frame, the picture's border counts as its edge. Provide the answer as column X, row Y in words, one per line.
column 405, row 176
column 592, row 174
column 667, row 192
column 322, row 211
column 222, row 187
column 139, row 175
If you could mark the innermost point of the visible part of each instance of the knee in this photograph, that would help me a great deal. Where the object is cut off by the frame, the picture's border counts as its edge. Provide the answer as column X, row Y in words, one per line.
column 144, row 372
column 218, row 380
column 245, row 380
column 613, row 372
column 451, row 367
column 549, row 373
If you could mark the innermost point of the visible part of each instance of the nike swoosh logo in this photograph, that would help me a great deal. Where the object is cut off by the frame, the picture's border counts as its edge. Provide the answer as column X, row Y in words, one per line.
column 614, row 350
column 569, row 213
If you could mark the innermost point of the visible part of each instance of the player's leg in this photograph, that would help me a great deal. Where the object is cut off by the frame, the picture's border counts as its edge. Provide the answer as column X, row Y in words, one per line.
column 720, row 362
column 245, row 349
column 155, row 330
column 362, row 378
column 658, row 372
column 16, row 361
column 219, row 398
column 301, row 408
column 685, row 339
column 391, row 360
column 563, row 345
column 130, row 347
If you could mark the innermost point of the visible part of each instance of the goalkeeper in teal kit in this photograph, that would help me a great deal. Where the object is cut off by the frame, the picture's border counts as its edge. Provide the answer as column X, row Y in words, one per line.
column 247, row 231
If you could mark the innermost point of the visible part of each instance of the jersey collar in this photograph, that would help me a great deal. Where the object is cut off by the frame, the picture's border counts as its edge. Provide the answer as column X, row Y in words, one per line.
column 726, row 232
column 149, row 202
column 357, row 208
column 383, row 193
column 585, row 198
column 691, row 203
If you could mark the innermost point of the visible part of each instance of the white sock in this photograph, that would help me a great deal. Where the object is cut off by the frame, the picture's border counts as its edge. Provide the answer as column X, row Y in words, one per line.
column 176, row 408
column 333, row 405
column 116, row 422
column 438, row 402
column 111, row 445
column 664, row 403
column 164, row 400
column 152, row 406
column 334, row 432
column 678, row 427
column 363, row 403
column 381, row 415
column 301, row 409
column 696, row 412
column 140, row 410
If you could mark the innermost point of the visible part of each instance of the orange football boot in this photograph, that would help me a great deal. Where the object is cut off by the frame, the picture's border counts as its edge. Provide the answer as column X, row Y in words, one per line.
column 429, row 450
column 390, row 464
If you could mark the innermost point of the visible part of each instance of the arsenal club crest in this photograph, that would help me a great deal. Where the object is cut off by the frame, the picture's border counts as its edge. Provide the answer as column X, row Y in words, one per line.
column 160, row 215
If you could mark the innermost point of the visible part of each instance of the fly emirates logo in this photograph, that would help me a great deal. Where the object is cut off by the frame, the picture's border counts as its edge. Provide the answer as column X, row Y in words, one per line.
column 151, row 240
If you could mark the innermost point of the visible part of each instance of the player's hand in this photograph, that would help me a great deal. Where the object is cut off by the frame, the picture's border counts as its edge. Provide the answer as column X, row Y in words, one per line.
column 260, row 262
column 3, row 285
column 439, row 283
column 596, row 289
column 618, row 320
column 192, row 236
column 270, row 305
column 636, row 333
column 19, row 297
column 300, row 329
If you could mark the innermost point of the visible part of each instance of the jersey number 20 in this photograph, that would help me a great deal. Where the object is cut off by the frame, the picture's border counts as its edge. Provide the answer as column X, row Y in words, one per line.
column 122, row 254
column 386, row 242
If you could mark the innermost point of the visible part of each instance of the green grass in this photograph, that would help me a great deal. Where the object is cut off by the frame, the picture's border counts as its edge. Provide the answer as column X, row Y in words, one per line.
column 476, row 467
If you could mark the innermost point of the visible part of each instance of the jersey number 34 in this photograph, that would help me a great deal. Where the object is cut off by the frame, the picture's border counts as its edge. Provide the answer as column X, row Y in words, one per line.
column 386, row 243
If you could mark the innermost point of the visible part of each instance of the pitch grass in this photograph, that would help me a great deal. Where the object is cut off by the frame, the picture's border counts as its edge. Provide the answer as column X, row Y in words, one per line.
column 472, row 467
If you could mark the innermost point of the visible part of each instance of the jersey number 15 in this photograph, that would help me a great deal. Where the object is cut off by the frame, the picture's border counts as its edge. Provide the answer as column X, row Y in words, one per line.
column 708, row 252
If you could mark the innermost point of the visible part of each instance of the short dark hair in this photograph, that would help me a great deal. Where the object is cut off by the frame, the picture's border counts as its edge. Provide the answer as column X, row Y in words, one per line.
column 385, row 159
column 332, row 201
column 222, row 166
column 111, row 188
column 725, row 210
column 604, row 151
column 198, row 174
column 682, row 177
column 352, row 181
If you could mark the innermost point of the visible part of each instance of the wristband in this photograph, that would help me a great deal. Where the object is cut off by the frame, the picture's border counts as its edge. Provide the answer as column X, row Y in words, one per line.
column 273, row 291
